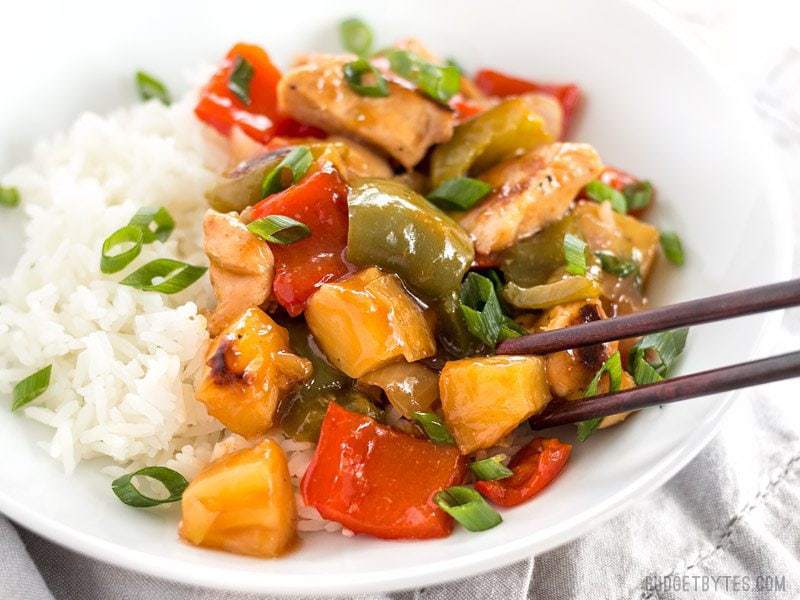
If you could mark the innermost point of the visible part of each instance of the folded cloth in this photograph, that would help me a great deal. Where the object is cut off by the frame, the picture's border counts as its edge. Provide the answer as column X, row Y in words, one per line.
column 727, row 526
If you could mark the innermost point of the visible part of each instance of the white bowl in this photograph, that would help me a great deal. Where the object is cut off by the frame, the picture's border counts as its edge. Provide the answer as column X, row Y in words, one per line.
column 654, row 107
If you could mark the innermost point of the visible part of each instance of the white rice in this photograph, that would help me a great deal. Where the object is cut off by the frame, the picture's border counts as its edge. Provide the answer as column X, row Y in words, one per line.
column 124, row 361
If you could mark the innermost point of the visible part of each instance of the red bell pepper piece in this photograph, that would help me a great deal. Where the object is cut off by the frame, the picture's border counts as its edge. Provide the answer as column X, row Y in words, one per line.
column 534, row 466
column 260, row 118
column 494, row 83
column 319, row 201
column 374, row 479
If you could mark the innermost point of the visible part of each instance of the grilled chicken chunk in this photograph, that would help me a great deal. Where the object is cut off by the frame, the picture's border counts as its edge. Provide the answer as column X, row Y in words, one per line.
column 569, row 372
column 241, row 267
column 403, row 124
column 529, row 192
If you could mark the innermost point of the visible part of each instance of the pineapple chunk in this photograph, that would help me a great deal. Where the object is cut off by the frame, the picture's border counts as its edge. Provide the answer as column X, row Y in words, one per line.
column 367, row 321
column 483, row 399
column 242, row 503
column 250, row 369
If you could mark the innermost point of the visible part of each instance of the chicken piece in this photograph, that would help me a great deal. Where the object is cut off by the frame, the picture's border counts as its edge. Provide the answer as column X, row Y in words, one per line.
column 357, row 160
column 530, row 192
column 404, row 124
column 250, row 368
column 569, row 372
column 547, row 107
column 241, row 267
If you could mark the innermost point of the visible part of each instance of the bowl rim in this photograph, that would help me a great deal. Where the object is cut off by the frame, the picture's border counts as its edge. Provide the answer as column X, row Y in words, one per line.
column 443, row 571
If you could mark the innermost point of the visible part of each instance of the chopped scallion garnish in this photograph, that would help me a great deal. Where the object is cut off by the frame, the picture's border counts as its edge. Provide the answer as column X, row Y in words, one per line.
column 638, row 195
column 354, row 73
column 156, row 223
column 617, row 266
column 575, row 254
column 173, row 276
column 483, row 313
column 439, row 82
column 9, row 197
column 434, row 427
column 175, row 483
column 452, row 62
column 459, row 193
column 601, row 192
column 239, row 80
column 356, row 36
column 150, row 87
column 468, row 507
column 491, row 469
column 654, row 356
column 121, row 248
column 613, row 366
column 672, row 247
column 279, row 229
column 287, row 172
column 31, row 387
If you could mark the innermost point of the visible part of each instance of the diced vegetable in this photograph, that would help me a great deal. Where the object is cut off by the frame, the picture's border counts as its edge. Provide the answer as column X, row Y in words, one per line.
column 149, row 87
column 672, row 247
column 503, row 131
column 373, row 479
column 124, row 488
column 241, row 187
column 164, row 275
column 600, row 192
column 320, row 202
column 30, row 388
column 533, row 261
column 287, row 172
column 367, row 321
column 397, row 229
column 453, row 331
column 9, row 196
column 575, row 254
column 409, row 387
column 638, row 193
column 653, row 357
column 242, row 503
column 434, row 427
column 534, row 467
column 613, row 368
column 624, row 236
column 493, row 83
column 356, row 36
column 483, row 399
column 468, row 507
column 250, row 369
column 223, row 105
column 490, row 468
column 483, row 313
column 461, row 193
column 438, row 82
column 278, row 229
column 569, row 289
column 355, row 73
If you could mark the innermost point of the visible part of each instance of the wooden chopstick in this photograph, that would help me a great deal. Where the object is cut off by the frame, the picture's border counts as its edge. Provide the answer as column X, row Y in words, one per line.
column 693, row 312
column 776, row 368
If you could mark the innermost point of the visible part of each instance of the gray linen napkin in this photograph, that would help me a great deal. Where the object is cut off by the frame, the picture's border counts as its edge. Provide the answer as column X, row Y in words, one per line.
column 727, row 526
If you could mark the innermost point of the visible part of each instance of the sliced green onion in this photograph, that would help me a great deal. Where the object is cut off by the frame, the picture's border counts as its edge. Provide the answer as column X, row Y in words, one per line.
column 9, row 197
column 638, row 195
column 490, row 469
column 175, row 276
column 31, row 387
column 613, row 366
column 617, row 266
column 483, row 313
column 452, row 62
column 434, row 427
column 172, row 480
column 601, row 192
column 148, row 217
column 356, row 36
column 150, row 87
column 672, row 247
column 547, row 295
column 239, row 80
column 354, row 73
column 440, row 83
column 459, row 193
column 112, row 257
column 467, row 507
column 659, row 351
column 279, row 229
column 575, row 254
column 287, row 172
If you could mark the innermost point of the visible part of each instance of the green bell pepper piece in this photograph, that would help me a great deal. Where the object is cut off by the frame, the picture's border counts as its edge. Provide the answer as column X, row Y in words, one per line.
column 397, row 229
column 508, row 129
